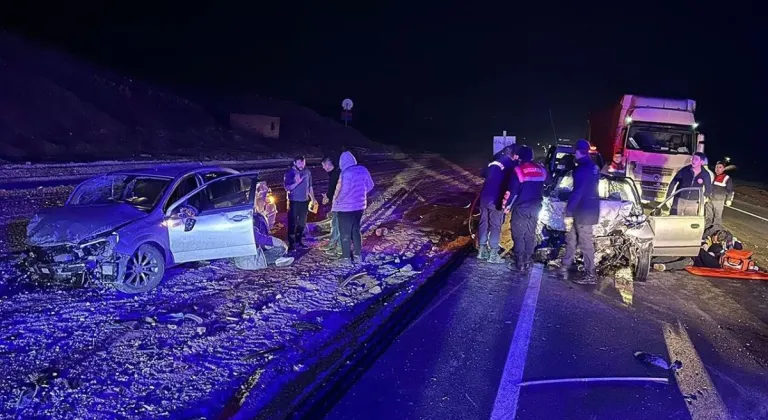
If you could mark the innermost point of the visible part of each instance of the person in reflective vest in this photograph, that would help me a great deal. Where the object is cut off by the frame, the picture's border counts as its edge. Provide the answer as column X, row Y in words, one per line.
column 525, row 191
column 490, row 203
column 616, row 166
column 722, row 193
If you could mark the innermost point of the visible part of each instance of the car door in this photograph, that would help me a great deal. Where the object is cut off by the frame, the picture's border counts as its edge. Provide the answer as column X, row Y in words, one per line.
column 214, row 221
column 677, row 236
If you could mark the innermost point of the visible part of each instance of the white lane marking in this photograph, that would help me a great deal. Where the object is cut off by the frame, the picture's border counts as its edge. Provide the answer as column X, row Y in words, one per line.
column 702, row 399
column 508, row 394
column 640, row 379
column 748, row 213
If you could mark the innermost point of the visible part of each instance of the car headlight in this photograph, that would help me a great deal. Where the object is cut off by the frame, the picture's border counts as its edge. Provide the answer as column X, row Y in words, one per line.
column 103, row 245
column 636, row 219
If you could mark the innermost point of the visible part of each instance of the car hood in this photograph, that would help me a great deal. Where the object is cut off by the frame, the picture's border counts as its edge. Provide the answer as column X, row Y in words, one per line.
column 612, row 215
column 74, row 224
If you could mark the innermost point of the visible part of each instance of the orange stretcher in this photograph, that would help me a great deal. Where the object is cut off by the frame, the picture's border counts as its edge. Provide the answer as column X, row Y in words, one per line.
column 736, row 264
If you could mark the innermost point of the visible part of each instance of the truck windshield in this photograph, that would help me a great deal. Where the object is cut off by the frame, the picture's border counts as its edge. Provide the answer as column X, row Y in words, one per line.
column 667, row 139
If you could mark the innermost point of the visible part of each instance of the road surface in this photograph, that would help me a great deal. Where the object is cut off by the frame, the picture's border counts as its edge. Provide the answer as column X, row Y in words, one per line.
column 490, row 329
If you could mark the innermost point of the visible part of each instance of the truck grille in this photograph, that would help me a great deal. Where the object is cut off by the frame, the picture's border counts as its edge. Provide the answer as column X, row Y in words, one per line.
column 657, row 170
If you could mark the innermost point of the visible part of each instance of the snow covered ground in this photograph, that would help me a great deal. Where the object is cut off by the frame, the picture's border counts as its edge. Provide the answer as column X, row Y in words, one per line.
column 211, row 337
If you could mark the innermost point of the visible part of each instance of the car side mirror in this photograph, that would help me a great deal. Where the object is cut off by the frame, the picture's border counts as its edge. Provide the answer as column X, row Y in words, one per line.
column 187, row 212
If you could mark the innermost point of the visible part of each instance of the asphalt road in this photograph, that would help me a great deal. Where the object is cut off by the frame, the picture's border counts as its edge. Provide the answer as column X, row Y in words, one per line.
column 491, row 329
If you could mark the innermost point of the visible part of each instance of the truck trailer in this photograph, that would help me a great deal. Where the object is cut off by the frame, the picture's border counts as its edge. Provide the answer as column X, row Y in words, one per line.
column 656, row 137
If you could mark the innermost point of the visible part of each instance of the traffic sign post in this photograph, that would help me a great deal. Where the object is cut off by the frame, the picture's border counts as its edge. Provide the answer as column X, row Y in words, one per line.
column 346, row 114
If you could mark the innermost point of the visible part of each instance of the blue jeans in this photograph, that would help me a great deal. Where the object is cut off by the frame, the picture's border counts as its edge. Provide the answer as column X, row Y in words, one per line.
column 334, row 241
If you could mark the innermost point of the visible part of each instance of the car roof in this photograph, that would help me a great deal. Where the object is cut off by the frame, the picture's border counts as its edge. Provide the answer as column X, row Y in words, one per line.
column 172, row 171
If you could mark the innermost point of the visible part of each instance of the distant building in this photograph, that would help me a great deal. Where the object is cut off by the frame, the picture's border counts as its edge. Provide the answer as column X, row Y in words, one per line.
column 253, row 124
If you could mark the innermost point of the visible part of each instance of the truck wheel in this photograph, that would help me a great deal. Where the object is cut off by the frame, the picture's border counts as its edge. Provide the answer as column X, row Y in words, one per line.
column 143, row 271
column 643, row 263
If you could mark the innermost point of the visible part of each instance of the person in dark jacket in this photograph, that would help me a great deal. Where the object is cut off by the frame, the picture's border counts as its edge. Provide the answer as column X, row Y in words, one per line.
column 490, row 202
column 694, row 175
column 584, row 209
column 334, row 244
column 526, row 187
column 722, row 193
column 298, row 185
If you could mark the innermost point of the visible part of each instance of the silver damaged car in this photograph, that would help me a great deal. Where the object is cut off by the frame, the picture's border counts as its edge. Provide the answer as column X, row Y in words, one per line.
column 125, row 228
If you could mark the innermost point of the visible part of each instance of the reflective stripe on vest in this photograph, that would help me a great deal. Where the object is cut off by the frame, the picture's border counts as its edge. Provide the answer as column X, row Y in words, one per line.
column 531, row 172
column 496, row 163
column 721, row 182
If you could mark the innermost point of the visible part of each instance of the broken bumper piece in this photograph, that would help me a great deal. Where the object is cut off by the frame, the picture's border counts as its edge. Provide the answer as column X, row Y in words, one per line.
column 68, row 263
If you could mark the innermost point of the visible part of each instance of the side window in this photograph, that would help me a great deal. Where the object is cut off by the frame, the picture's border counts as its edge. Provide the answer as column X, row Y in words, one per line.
column 185, row 187
column 229, row 192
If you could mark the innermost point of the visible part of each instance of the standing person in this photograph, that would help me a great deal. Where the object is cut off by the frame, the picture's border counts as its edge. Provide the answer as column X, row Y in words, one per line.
column 583, row 209
column 298, row 185
column 709, row 209
column 349, row 203
column 526, row 187
column 694, row 175
column 616, row 166
column 491, row 205
column 722, row 193
column 334, row 244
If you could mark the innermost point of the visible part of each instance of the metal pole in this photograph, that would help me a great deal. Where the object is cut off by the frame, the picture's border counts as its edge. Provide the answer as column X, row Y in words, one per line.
column 552, row 121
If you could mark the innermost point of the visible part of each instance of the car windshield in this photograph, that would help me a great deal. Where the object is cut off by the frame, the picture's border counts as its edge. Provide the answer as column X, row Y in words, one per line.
column 564, row 159
column 142, row 192
column 667, row 139
column 609, row 188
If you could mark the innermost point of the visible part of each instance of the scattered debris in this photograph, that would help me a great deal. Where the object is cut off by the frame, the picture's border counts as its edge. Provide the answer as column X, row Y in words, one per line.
column 658, row 360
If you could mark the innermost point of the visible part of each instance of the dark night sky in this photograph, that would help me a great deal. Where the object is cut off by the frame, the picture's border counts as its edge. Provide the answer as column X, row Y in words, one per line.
column 474, row 68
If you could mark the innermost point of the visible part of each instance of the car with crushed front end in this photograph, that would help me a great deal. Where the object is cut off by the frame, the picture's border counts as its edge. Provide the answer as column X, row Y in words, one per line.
column 625, row 234
column 125, row 228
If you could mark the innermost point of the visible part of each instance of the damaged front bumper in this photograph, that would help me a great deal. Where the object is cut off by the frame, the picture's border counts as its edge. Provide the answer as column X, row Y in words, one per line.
column 93, row 260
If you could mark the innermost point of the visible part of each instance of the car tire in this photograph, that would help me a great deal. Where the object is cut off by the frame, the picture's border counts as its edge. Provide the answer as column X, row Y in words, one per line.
column 143, row 271
column 643, row 263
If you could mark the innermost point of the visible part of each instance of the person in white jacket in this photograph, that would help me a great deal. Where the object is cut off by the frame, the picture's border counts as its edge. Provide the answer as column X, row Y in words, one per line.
column 349, row 202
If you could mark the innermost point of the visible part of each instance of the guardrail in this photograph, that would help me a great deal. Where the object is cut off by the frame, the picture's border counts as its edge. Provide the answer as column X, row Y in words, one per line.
column 16, row 176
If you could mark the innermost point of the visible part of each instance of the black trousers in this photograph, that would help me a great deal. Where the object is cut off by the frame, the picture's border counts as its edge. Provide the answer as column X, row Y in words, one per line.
column 297, row 221
column 349, row 233
column 525, row 217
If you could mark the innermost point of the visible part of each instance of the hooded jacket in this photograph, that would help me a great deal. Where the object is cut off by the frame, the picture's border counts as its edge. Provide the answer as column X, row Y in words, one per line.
column 354, row 185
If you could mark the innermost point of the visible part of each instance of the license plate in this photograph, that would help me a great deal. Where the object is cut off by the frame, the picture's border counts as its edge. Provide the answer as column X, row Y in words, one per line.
column 107, row 270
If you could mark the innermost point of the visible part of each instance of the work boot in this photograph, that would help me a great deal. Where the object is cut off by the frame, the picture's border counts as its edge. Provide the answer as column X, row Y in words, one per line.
column 495, row 258
column 483, row 253
column 587, row 278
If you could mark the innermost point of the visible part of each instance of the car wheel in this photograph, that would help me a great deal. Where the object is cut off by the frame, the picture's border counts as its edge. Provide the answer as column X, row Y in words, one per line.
column 143, row 270
column 643, row 263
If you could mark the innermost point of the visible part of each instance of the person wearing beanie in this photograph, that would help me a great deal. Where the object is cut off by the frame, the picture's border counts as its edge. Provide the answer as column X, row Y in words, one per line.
column 583, row 209
column 491, row 205
column 525, row 189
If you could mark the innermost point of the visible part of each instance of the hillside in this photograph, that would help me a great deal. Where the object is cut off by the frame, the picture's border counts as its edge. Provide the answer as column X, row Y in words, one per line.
column 55, row 107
